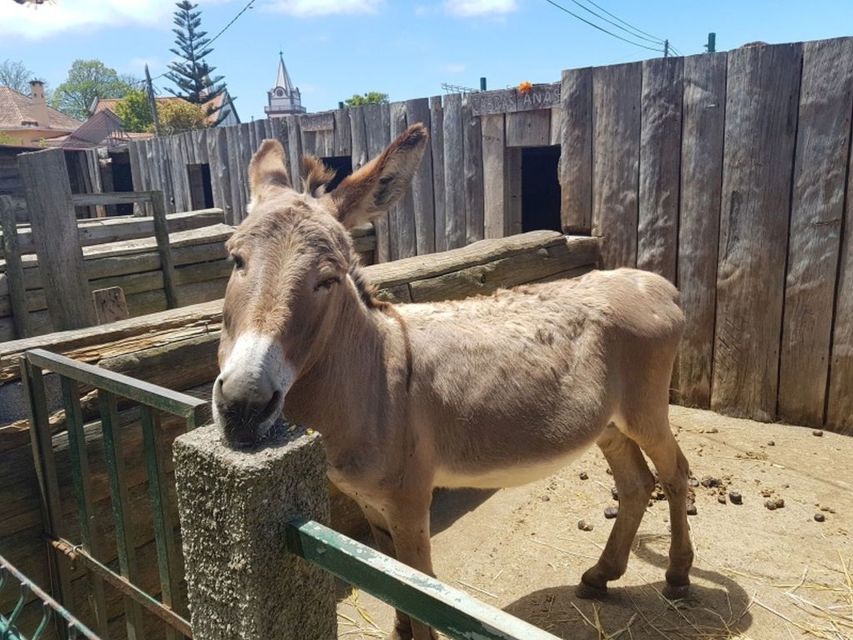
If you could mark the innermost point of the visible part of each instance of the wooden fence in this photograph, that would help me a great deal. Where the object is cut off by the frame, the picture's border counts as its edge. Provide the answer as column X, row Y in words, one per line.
column 727, row 173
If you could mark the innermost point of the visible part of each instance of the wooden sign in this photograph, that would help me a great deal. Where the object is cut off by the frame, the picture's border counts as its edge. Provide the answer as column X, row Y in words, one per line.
column 540, row 96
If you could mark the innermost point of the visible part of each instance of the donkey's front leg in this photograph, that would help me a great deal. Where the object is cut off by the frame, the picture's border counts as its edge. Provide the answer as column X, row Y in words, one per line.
column 408, row 521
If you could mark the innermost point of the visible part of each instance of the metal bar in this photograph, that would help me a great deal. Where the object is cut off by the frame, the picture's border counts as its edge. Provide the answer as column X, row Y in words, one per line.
column 118, row 491
column 151, row 395
column 444, row 608
column 156, row 608
column 71, row 623
column 164, row 535
column 45, row 465
column 79, row 460
column 112, row 197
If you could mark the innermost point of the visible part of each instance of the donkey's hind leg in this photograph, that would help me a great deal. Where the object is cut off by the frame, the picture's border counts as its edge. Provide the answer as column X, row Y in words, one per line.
column 673, row 471
column 634, row 482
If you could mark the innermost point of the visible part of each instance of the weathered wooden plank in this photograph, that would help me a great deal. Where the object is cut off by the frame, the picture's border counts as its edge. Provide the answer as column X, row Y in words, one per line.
column 540, row 96
column 401, row 217
column 704, row 103
column 576, row 151
column 318, row 121
column 377, row 124
column 54, row 224
column 528, row 128
column 512, row 195
column 294, row 150
column 454, row 172
column 220, row 171
column 494, row 176
column 556, row 126
column 110, row 304
column 839, row 413
column 358, row 151
column 164, row 250
column 438, row 190
column 660, row 166
column 616, row 157
column 422, row 183
column 14, row 271
column 343, row 134
column 817, row 212
column 761, row 115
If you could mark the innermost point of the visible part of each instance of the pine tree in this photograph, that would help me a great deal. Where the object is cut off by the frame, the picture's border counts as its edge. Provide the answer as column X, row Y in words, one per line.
column 192, row 76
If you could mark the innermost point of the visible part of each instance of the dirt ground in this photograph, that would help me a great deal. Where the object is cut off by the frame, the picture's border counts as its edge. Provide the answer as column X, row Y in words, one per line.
column 758, row 573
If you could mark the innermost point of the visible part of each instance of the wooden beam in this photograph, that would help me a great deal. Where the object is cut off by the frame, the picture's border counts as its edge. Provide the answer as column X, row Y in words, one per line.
column 472, row 139
column 494, row 176
column 54, row 224
column 454, row 171
column 417, row 111
column 576, row 151
column 438, row 190
column 164, row 248
column 528, row 128
column 14, row 269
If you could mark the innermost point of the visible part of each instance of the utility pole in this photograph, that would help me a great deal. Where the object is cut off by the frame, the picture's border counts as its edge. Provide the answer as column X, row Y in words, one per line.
column 152, row 102
column 712, row 42
column 666, row 48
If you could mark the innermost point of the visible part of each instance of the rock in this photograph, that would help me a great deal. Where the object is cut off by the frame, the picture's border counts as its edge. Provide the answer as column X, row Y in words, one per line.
column 583, row 525
column 735, row 497
column 691, row 509
column 583, row 475
column 819, row 517
column 710, row 482
column 610, row 512
column 817, row 433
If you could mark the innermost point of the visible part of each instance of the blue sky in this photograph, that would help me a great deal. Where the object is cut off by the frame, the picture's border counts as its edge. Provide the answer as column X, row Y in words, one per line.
column 334, row 48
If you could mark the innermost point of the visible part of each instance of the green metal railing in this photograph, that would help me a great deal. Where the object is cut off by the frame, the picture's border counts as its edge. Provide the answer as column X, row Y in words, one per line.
column 152, row 400
column 50, row 609
column 449, row 610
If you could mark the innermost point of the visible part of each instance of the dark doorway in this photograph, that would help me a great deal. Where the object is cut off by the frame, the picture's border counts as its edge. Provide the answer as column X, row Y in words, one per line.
column 122, row 180
column 540, row 188
column 342, row 166
column 201, row 189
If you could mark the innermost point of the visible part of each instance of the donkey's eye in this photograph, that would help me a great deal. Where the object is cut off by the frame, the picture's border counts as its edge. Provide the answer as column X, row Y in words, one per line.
column 238, row 261
column 327, row 283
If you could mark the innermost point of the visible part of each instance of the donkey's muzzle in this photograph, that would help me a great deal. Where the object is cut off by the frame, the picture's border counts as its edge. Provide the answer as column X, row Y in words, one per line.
column 245, row 412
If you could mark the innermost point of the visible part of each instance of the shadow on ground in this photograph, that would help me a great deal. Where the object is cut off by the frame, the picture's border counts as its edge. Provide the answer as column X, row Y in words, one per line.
column 716, row 609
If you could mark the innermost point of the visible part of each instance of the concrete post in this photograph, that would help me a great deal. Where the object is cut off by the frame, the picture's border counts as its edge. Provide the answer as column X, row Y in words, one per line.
column 233, row 505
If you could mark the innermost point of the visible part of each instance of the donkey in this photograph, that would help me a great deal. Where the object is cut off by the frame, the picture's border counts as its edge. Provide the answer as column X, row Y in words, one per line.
column 487, row 392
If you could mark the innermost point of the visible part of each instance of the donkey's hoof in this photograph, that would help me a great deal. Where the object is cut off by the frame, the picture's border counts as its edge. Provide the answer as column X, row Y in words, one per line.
column 676, row 591
column 590, row 592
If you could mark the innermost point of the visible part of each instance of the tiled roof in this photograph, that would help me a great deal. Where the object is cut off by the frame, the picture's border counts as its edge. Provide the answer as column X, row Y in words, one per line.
column 17, row 109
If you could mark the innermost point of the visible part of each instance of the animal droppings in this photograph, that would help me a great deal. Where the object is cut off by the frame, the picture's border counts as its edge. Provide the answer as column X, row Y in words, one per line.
column 817, row 433
column 710, row 482
column 735, row 497
column 583, row 525
column 819, row 517
column 615, row 493
column 721, row 499
column 583, row 475
column 774, row 503
column 610, row 512
column 692, row 510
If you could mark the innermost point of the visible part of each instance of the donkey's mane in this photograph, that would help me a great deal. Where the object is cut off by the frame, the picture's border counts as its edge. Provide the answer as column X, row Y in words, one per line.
column 317, row 176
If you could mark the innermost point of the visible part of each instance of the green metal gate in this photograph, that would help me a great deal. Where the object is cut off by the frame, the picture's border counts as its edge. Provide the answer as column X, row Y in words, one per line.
column 421, row 596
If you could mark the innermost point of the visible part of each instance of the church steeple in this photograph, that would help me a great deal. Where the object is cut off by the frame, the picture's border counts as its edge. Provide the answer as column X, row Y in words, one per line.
column 284, row 98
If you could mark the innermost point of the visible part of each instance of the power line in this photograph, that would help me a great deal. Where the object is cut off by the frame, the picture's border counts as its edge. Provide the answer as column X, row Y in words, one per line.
column 233, row 20
column 617, row 25
column 602, row 29
column 618, row 19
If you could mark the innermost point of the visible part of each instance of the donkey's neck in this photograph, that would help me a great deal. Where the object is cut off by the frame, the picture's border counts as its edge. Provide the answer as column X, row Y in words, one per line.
column 359, row 367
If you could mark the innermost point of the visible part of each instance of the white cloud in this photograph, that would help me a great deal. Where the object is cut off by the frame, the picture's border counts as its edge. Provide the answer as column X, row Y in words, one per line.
column 467, row 8
column 312, row 8
column 454, row 67
column 36, row 22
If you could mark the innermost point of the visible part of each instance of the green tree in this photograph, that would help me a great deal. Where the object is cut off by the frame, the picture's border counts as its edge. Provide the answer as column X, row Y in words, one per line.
column 134, row 111
column 87, row 80
column 15, row 75
column 371, row 97
column 177, row 116
column 192, row 76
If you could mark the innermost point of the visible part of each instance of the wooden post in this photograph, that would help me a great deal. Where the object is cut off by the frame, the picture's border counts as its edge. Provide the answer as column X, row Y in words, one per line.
column 110, row 304
column 164, row 248
column 54, row 224
column 14, row 270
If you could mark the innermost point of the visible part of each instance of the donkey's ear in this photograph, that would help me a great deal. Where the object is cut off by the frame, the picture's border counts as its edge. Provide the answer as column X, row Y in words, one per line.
column 374, row 188
column 267, row 169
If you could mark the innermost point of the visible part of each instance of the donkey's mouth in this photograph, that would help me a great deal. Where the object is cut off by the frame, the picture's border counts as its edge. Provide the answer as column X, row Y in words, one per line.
column 245, row 426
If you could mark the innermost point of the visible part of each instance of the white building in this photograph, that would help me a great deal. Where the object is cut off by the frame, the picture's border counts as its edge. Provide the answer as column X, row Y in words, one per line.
column 284, row 98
